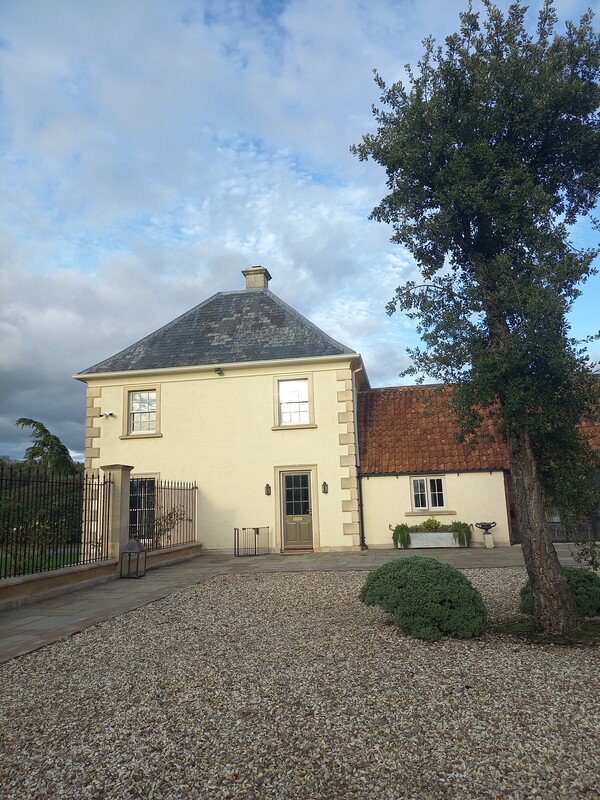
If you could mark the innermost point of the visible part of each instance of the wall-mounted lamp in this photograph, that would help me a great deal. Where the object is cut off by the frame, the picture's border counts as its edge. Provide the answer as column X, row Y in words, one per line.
column 267, row 489
column 219, row 371
column 324, row 488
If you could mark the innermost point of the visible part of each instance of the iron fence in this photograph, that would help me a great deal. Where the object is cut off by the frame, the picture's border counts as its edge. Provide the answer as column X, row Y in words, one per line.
column 250, row 541
column 162, row 513
column 50, row 521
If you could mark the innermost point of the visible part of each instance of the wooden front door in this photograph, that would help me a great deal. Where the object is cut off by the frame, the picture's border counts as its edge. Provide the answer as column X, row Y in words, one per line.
column 297, row 515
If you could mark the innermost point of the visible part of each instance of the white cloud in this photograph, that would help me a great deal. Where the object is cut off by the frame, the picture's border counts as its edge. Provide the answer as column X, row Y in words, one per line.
column 152, row 150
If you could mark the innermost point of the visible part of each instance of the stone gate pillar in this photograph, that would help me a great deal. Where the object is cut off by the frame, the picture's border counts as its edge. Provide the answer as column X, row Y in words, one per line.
column 118, row 515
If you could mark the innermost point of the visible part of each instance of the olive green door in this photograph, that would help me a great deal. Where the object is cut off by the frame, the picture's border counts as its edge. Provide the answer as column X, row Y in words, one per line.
column 297, row 515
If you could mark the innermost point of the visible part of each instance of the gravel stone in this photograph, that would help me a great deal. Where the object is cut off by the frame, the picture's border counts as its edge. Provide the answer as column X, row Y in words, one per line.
column 285, row 686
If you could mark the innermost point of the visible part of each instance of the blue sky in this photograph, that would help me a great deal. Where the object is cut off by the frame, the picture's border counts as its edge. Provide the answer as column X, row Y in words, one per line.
column 152, row 150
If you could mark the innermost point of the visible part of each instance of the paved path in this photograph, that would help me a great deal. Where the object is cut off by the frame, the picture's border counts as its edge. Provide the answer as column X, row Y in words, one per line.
column 28, row 628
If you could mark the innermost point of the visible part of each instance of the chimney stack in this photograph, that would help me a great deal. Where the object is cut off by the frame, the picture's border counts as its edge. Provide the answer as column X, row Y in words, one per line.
column 256, row 278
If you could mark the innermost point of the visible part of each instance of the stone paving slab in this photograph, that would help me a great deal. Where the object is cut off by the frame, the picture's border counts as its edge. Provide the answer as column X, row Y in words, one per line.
column 27, row 628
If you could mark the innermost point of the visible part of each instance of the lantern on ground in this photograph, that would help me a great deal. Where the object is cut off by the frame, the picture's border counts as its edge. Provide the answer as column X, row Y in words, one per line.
column 133, row 560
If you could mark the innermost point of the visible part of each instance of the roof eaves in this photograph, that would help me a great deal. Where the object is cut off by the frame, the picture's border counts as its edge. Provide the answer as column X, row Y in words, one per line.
column 292, row 362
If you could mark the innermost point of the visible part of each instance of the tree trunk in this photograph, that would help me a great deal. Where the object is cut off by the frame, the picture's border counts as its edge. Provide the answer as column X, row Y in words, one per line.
column 554, row 608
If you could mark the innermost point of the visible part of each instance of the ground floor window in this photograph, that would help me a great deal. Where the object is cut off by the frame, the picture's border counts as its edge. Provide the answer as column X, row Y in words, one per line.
column 428, row 493
column 142, row 508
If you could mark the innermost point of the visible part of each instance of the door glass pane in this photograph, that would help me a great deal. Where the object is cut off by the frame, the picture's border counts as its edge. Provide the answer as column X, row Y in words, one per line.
column 297, row 500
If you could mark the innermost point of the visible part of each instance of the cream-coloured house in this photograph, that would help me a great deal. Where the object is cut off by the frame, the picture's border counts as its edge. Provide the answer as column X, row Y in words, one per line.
column 250, row 400
column 276, row 424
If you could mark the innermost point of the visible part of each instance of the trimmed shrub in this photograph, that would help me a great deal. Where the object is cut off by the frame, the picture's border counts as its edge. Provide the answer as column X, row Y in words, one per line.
column 427, row 598
column 584, row 585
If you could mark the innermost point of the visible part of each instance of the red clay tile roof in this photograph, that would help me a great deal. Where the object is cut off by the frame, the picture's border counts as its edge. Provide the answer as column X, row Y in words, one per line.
column 411, row 429
column 592, row 431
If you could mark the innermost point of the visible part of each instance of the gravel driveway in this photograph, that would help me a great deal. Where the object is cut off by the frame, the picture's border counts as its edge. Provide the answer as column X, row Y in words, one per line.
column 286, row 686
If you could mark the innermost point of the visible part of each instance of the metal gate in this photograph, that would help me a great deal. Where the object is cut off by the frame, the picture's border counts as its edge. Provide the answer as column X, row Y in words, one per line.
column 250, row 541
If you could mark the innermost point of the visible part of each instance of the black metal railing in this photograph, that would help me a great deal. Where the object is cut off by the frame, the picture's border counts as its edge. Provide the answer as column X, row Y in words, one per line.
column 162, row 513
column 250, row 541
column 50, row 521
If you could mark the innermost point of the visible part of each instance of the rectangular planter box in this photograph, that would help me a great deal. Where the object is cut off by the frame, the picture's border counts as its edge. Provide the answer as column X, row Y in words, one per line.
column 432, row 539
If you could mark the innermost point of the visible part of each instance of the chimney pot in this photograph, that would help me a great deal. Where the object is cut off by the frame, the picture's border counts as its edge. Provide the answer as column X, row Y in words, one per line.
column 256, row 277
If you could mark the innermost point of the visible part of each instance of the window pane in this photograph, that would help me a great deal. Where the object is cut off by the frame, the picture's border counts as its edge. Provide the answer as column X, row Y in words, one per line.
column 436, row 492
column 293, row 402
column 142, row 412
column 419, row 496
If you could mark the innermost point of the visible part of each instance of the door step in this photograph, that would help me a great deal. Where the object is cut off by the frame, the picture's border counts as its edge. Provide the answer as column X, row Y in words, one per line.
column 296, row 552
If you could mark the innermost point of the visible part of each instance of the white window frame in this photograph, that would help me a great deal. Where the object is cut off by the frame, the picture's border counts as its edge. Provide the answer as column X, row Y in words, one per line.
column 428, row 493
column 128, row 412
column 300, row 412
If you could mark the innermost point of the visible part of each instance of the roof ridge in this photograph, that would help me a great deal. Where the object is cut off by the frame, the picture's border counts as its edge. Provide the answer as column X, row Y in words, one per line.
column 304, row 319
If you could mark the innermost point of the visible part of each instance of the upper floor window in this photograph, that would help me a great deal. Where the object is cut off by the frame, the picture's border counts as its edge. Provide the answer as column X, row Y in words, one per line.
column 142, row 411
column 427, row 493
column 293, row 402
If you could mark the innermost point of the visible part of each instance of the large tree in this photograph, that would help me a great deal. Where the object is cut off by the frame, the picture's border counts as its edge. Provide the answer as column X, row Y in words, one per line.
column 492, row 152
column 47, row 450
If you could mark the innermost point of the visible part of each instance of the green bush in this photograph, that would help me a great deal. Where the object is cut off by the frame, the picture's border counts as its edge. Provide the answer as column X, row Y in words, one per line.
column 431, row 524
column 427, row 598
column 462, row 532
column 401, row 536
column 584, row 585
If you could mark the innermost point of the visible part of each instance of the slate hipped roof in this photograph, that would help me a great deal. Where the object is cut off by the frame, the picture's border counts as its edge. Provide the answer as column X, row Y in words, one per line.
column 229, row 327
column 411, row 429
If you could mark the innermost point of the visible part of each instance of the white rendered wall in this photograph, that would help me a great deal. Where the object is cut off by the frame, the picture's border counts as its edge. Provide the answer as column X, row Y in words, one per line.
column 470, row 497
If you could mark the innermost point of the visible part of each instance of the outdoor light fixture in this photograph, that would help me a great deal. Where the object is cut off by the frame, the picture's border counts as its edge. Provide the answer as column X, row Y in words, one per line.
column 219, row 371
column 324, row 488
column 133, row 560
column 267, row 489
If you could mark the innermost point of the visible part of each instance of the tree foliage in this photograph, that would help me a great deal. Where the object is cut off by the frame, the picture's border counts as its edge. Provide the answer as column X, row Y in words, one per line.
column 47, row 450
column 492, row 151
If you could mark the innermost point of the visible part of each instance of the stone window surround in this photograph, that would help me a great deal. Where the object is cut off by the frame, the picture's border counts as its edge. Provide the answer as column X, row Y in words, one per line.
column 277, row 426
column 127, row 391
